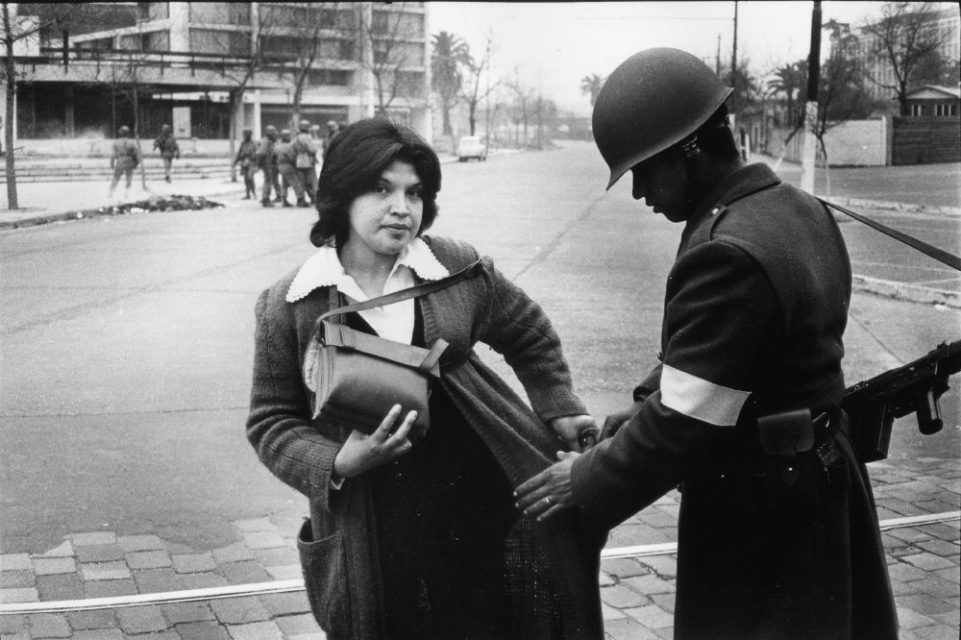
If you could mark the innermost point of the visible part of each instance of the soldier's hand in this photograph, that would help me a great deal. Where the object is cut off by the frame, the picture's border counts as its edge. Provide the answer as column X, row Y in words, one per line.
column 615, row 421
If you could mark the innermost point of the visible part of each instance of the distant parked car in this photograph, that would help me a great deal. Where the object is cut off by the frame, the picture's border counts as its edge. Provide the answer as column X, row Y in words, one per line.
column 471, row 147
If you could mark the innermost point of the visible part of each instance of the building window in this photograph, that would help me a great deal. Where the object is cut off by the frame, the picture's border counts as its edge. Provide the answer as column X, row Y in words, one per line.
column 282, row 16
column 329, row 77
column 154, row 10
column 917, row 110
column 222, row 42
column 152, row 41
column 410, row 84
column 399, row 25
column 219, row 13
column 279, row 45
column 100, row 44
column 945, row 110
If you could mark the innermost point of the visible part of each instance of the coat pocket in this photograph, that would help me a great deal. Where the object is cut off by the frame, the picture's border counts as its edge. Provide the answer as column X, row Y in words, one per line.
column 324, row 563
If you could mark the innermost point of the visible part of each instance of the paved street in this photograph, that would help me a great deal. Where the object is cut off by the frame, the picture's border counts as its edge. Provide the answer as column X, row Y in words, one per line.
column 130, row 342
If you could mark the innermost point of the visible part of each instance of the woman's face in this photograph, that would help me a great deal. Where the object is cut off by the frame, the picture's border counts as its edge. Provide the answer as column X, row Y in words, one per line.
column 388, row 217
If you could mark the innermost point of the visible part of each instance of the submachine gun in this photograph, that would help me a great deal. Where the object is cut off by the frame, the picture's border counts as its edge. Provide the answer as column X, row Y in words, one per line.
column 873, row 404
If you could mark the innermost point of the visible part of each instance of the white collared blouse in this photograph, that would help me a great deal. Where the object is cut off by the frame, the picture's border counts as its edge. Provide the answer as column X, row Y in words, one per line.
column 394, row 321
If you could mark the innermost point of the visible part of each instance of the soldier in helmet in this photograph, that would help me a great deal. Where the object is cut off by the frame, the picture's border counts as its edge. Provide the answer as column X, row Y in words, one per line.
column 286, row 167
column 778, row 534
column 306, row 162
column 124, row 159
column 267, row 162
column 168, row 147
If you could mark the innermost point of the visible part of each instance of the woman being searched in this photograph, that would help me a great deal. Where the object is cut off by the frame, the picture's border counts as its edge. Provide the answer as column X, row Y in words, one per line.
column 413, row 532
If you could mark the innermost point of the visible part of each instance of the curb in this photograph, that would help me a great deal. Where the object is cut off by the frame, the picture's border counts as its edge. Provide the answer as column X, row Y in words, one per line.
column 907, row 292
column 894, row 206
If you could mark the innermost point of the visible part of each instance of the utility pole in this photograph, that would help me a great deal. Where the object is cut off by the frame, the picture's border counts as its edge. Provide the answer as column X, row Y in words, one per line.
column 809, row 155
column 734, row 53
column 487, row 127
column 717, row 57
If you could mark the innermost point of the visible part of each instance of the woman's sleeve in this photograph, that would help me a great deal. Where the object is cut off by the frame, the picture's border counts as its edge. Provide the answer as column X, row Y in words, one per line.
column 279, row 426
column 519, row 329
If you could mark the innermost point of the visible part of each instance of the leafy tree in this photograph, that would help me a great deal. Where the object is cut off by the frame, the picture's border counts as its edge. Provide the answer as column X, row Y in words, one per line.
column 907, row 39
column 448, row 57
column 747, row 89
column 790, row 81
column 591, row 85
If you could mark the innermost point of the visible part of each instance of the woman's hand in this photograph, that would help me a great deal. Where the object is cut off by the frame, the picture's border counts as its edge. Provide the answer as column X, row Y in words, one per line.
column 578, row 432
column 361, row 452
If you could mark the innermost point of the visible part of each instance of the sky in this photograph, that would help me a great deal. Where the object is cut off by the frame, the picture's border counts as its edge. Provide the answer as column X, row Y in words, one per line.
column 550, row 46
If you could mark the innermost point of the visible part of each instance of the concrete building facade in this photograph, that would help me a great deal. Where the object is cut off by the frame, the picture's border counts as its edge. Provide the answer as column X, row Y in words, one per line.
column 212, row 69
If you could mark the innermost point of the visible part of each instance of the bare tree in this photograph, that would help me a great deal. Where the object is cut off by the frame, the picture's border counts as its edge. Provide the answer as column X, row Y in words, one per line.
column 906, row 38
column 298, row 31
column 473, row 92
column 242, row 72
column 18, row 29
column 521, row 108
column 382, row 36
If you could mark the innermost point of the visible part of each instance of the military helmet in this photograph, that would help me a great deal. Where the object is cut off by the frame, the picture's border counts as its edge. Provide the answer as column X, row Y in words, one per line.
column 652, row 101
column 124, row 130
column 285, row 134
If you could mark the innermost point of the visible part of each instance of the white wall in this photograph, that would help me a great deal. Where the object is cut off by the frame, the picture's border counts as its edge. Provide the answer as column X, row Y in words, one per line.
column 857, row 143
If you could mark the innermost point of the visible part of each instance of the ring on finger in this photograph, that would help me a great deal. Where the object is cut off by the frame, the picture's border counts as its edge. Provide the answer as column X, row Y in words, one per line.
column 547, row 501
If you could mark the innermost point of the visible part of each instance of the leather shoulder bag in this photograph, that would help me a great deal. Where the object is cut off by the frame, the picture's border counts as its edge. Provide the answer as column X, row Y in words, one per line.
column 357, row 377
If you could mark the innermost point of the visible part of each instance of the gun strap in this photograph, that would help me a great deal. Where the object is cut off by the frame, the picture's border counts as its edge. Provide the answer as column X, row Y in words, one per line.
column 931, row 251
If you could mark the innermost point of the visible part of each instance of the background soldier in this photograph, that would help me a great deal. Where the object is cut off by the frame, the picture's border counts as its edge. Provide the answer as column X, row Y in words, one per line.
column 125, row 158
column 169, row 149
column 332, row 130
column 306, row 163
column 289, row 176
column 246, row 158
column 267, row 162
column 778, row 535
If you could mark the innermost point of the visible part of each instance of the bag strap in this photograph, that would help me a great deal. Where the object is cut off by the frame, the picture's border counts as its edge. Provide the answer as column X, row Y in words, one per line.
column 404, row 294
column 931, row 251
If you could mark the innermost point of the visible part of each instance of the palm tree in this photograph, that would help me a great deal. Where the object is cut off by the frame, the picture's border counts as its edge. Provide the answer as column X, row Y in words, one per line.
column 450, row 53
column 591, row 85
column 791, row 80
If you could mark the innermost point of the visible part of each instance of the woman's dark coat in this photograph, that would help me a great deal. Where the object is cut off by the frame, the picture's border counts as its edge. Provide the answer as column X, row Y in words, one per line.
column 338, row 549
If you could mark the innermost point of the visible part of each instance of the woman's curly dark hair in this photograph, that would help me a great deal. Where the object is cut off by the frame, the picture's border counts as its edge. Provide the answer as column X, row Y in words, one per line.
column 353, row 164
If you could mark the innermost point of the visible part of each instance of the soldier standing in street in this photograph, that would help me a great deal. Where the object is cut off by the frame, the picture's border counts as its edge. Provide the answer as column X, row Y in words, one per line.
column 267, row 162
column 332, row 130
column 247, row 159
column 289, row 176
column 168, row 147
column 124, row 159
column 306, row 163
column 778, row 535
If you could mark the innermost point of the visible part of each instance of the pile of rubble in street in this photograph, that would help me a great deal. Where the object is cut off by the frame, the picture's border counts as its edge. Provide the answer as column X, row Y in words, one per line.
column 154, row 203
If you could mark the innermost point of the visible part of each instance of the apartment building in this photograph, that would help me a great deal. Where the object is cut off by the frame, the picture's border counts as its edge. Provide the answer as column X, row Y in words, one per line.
column 202, row 66
column 880, row 73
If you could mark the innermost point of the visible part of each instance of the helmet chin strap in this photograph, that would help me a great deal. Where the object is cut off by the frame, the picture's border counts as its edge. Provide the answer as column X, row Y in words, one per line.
column 692, row 153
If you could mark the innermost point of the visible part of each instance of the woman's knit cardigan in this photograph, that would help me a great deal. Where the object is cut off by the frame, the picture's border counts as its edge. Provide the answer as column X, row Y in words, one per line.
column 341, row 566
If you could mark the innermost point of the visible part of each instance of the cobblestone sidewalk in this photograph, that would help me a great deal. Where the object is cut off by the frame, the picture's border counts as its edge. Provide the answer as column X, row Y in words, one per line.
column 637, row 593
